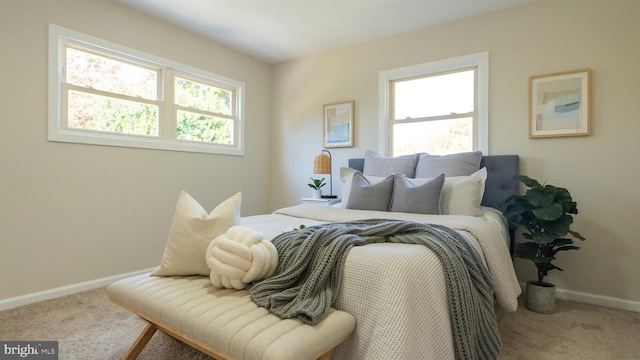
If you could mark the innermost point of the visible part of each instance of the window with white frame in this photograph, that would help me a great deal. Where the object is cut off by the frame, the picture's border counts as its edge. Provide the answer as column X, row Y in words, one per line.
column 438, row 107
column 106, row 94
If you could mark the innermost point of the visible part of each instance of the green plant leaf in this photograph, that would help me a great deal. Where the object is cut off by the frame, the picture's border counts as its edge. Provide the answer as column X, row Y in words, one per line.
column 539, row 197
column 527, row 236
column 574, row 208
column 561, row 242
column 317, row 183
column 517, row 207
column 549, row 212
column 551, row 266
column 564, row 197
column 576, row 235
column 543, row 237
column 565, row 248
column 560, row 226
column 544, row 268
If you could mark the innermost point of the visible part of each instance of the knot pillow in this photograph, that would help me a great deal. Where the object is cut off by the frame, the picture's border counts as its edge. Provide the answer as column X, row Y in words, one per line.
column 240, row 256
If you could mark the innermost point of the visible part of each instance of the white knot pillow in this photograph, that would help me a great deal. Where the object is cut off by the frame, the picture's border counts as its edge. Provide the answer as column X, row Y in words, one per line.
column 240, row 256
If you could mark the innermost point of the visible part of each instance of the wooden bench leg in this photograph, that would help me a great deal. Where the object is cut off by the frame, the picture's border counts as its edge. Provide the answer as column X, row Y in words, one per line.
column 140, row 343
column 326, row 356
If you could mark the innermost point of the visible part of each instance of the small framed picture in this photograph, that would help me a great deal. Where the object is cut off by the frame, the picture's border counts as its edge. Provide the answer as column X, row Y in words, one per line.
column 338, row 124
column 559, row 104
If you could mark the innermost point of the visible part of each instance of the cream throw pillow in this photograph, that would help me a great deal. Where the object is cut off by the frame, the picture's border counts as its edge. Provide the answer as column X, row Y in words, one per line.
column 191, row 232
column 462, row 195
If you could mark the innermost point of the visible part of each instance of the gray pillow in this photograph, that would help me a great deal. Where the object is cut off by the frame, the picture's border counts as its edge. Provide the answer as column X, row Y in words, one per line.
column 461, row 164
column 417, row 199
column 365, row 196
column 378, row 165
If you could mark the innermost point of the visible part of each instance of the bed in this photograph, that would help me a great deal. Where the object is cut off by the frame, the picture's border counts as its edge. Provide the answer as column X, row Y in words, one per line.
column 397, row 292
column 403, row 300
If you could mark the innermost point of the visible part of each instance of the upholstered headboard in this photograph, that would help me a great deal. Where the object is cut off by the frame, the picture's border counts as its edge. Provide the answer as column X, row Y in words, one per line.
column 499, row 186
column 500, row 171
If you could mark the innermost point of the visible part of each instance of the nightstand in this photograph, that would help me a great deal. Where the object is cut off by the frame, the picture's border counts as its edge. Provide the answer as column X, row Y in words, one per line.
column 322, row 202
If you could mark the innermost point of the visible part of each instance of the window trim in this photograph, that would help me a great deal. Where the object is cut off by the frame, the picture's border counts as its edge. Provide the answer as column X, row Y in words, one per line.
column 479, row 60
column 58, row 132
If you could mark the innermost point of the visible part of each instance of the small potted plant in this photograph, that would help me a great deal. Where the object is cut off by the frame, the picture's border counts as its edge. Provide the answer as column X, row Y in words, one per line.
column 543, row 214
column 317, row 185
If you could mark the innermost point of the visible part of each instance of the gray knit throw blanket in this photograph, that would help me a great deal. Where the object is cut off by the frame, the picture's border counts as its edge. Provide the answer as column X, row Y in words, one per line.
column 311, row 261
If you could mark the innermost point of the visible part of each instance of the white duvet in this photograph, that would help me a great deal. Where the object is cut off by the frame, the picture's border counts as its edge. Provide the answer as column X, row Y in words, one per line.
column 397, row 291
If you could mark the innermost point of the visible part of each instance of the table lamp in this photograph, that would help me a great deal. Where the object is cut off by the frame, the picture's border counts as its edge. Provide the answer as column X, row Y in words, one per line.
column 322, row 165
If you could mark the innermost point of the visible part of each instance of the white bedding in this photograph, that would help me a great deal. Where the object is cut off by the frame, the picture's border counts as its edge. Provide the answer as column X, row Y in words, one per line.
column 397, row 292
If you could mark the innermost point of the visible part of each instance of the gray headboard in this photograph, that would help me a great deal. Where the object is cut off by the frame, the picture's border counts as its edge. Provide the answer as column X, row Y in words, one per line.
column 499, row 186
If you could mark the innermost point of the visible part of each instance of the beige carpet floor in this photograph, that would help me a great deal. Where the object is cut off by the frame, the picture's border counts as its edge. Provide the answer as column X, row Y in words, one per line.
column 88, row 326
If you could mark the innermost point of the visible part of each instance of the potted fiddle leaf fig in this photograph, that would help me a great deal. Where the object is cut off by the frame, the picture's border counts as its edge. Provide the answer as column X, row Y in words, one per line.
column 317, row 185
column 544, row 216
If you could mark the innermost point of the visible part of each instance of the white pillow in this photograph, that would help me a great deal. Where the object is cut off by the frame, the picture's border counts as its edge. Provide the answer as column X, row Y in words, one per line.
column 191, row 232
column 346, row 172
column 461, row 195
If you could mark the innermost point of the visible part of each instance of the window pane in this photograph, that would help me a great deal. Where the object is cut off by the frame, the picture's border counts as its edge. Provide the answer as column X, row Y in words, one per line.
column 203, row 128
column 106, row 74
column 435, row 95
column 95, row 112
column 204, row 97
column 435, row 137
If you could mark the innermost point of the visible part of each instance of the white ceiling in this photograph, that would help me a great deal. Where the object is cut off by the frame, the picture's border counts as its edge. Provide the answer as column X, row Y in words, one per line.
column 279, row 30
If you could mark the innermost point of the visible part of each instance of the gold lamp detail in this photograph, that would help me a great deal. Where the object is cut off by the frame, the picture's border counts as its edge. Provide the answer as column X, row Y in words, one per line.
column 322, row 165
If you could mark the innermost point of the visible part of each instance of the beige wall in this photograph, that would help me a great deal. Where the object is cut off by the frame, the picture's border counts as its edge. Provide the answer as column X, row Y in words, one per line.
column 71, row 213
column 602, row 171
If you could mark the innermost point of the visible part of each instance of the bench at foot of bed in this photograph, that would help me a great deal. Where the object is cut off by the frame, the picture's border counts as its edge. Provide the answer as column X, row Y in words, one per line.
column 223, row 323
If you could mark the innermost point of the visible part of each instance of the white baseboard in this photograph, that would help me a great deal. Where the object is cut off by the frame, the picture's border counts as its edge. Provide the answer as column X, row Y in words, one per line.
column 564, row 294
column 594, row 299
column 64, row 290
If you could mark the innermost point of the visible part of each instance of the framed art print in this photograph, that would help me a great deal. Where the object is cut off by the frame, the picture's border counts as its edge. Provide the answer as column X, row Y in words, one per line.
column 559, row 104
column 338, row 124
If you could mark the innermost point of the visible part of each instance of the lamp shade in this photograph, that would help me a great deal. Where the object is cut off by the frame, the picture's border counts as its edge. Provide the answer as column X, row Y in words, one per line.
column 322, row 164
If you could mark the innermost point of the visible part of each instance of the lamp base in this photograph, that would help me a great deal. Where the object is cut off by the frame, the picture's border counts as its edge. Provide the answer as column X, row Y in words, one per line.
column 329, row 196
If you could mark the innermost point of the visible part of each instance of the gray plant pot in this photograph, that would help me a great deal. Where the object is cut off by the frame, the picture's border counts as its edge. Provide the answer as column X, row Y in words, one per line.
column 541, row 298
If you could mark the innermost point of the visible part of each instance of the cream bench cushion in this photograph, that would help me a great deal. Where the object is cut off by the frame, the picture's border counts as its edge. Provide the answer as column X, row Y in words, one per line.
column 225, row 323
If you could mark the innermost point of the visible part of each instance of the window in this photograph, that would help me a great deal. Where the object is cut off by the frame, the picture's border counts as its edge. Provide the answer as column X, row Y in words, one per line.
column 102, row 93
column 439, row 107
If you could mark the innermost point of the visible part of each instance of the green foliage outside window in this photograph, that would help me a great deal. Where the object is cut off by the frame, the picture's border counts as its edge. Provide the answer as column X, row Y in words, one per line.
column 194, row 127
column 96, row 110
